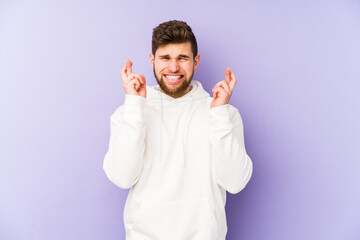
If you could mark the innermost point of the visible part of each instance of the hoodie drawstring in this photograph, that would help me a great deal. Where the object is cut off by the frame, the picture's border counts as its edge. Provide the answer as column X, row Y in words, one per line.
column 185, row 132
column 161, row 128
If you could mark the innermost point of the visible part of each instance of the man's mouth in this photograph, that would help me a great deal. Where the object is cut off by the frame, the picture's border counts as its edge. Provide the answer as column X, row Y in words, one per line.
column 171, row 78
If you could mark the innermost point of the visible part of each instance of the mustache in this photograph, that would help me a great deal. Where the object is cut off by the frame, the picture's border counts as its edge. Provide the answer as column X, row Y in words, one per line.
column 173, row 92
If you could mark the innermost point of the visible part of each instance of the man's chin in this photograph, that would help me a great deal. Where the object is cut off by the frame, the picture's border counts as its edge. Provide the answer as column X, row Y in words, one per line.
column 177, row 90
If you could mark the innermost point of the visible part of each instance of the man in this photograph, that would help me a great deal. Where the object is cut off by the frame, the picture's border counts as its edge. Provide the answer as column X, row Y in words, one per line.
column 177, row 149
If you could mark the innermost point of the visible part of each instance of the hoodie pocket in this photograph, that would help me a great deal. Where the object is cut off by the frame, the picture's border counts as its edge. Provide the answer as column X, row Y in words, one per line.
column 175, row 220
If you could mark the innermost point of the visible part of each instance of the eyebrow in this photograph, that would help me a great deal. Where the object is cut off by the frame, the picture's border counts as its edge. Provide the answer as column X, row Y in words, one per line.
column 167, row 55
column 184, row 56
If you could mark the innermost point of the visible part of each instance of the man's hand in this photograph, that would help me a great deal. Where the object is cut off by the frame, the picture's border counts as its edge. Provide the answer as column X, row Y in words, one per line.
column 134, row 84
column 222, row 90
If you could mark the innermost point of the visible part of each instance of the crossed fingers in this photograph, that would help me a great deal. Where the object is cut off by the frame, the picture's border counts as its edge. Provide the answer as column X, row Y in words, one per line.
column 226, row 86
column 230, row 78
column 130, row 78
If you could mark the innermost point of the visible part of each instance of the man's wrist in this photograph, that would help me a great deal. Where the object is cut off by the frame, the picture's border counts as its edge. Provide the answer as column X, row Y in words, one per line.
column 220, row 114
column 133, row 107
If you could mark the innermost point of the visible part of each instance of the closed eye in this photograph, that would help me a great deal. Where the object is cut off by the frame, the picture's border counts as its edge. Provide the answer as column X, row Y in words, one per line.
column 183, row 57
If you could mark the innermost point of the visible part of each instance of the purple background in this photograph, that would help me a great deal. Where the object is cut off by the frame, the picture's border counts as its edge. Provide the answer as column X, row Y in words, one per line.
column 297, row 65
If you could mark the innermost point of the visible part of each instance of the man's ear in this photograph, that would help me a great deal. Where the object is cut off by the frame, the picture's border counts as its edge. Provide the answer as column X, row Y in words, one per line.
column 152, row 59
column 196, row 61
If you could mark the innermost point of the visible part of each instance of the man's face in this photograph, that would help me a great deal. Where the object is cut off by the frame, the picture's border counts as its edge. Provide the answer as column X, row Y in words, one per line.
column 174, row 67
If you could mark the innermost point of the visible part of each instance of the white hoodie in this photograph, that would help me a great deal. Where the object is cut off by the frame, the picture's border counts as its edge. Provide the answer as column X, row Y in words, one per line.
column 179, row 157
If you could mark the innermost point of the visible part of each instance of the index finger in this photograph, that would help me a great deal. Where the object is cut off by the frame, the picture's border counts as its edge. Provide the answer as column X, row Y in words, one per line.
column 233, row 81
column 123, row 72
column 129, row 65
column 227, row 75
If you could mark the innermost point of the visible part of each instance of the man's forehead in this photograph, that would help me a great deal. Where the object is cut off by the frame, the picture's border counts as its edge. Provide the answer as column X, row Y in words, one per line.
column 175, row 49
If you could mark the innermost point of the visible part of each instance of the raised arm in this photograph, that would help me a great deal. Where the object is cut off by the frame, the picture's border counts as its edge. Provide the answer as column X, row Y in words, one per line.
column 123, row 161
column 232, row 167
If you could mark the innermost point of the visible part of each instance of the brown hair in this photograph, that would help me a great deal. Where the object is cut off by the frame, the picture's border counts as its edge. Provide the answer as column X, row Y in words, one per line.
column 173, row 32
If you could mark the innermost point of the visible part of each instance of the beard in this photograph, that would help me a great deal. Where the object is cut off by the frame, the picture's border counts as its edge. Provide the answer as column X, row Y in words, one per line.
column 173, row 92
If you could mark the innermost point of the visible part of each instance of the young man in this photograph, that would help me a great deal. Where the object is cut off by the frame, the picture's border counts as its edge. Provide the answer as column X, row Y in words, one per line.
column 177, row 148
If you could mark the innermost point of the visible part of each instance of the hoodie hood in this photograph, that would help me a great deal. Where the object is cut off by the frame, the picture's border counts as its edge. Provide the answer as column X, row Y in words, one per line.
column 197, row 92
column 157, row 98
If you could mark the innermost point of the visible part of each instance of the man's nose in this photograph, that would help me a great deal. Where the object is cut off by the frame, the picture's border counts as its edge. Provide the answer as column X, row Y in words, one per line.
column 174, row 65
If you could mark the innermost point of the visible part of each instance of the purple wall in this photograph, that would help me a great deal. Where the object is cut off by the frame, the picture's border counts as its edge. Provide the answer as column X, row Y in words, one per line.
column 298, row 71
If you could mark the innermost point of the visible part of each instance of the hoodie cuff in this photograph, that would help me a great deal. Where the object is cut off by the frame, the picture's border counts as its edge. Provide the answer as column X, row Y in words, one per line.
column 220, row 116
column 133, row 108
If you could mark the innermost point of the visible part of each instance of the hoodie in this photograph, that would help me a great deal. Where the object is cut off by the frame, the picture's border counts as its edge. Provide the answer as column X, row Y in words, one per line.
column 178, row 157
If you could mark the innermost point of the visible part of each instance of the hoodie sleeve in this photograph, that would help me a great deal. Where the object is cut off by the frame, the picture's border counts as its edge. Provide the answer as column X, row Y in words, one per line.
column 232, row 167
column 123, row 161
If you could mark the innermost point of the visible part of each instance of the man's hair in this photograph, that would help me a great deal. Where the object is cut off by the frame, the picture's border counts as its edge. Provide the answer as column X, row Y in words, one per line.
column 173, row 32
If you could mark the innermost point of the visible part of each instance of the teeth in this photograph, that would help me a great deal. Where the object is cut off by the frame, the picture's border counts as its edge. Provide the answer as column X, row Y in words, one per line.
column 173, row 77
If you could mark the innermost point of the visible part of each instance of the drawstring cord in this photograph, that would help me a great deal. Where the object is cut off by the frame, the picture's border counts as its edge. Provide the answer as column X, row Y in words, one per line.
column 161, row 128
column 185, row 132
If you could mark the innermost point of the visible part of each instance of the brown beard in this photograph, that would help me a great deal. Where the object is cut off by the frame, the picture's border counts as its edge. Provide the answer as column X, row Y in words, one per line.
column 173, row 92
